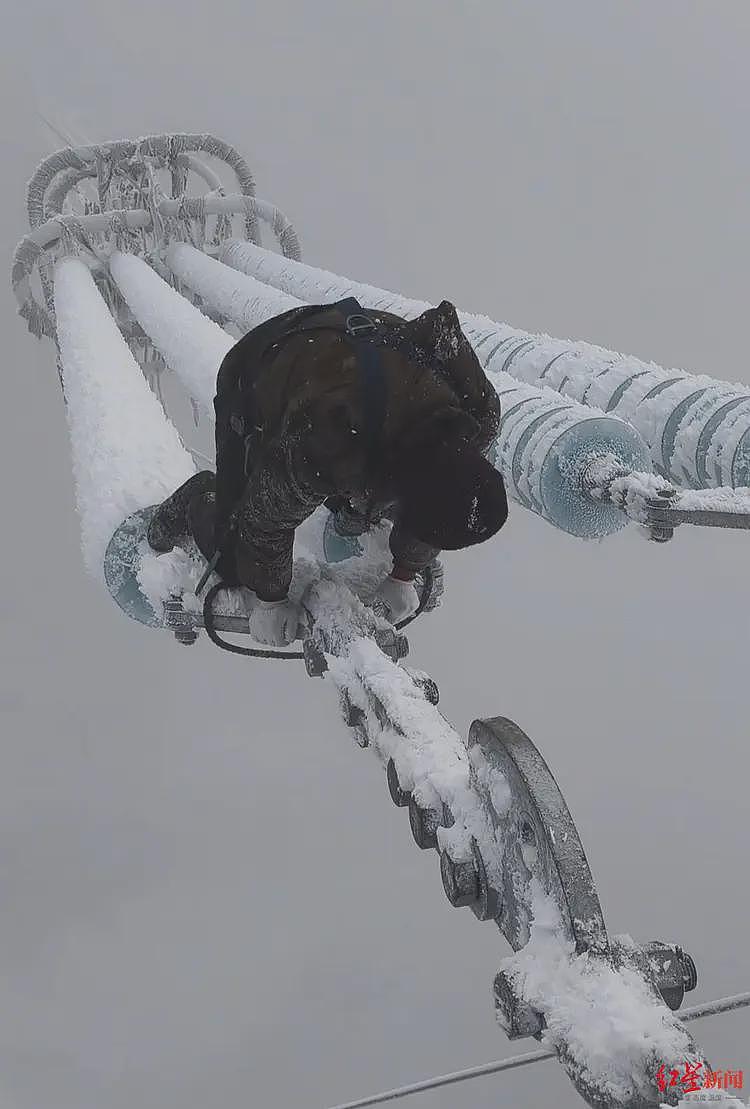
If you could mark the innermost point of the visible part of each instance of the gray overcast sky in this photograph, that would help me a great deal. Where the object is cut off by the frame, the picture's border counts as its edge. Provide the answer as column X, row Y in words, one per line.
column 207, row 897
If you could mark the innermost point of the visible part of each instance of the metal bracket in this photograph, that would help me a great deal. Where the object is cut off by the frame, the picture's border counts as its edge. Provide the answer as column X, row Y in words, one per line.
column 700, row 507
column 538, row 836
column 659, row 506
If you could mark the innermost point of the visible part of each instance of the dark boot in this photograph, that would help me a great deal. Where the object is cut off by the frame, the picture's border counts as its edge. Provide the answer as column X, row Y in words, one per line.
column 201, row 515
column 169, row 523
column 346, row 520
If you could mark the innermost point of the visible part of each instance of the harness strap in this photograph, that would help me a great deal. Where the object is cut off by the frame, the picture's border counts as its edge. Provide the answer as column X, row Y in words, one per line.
column 367, row 338
column 363, row 332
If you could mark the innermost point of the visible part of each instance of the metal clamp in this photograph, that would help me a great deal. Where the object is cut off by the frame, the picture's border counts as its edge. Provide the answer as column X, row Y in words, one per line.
column 658, row 506
column 179, row 621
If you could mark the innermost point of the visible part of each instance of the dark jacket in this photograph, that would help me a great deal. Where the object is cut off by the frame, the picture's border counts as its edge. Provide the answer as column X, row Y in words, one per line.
column 292, row 427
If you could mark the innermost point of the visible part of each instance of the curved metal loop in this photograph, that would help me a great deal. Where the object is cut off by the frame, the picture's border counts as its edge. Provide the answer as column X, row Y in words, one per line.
column 132, row 201
column 164, row 149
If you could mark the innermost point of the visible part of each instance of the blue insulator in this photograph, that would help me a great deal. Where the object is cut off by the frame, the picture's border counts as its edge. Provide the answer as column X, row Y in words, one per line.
column 338, row 547
column 544, row 446
column 697, row 429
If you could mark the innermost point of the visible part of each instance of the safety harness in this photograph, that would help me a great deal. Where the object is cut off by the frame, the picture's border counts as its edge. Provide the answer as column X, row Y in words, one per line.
column 368, row 338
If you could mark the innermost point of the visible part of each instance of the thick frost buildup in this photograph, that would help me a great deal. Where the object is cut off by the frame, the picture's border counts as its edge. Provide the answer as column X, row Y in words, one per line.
column 313, row 285
column 697, row 429
column 126, row 453
column 633, row 492
column 612, row 1030
column 237, row 296
column 191, row 344
column 430, row 757
column 177, row 572
column 716, row 500
column 541, row 431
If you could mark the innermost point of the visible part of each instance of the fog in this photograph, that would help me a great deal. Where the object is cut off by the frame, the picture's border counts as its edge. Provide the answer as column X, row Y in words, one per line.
column 207, row 896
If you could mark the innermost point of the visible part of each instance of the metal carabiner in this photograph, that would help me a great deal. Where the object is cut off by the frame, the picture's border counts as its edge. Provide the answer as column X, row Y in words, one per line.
column 360, row 324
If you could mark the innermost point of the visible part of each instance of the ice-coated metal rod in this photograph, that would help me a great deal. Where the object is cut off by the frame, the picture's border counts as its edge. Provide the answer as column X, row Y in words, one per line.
column 652, row 501
column 448, row 1079
column 713, row 1008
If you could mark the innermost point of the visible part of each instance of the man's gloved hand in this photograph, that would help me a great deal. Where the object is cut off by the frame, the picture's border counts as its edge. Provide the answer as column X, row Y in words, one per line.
column 274, row 623
column 395, row 599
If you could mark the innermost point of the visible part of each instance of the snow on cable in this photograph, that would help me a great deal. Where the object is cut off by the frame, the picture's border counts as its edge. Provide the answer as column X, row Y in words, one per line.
column 126, row 453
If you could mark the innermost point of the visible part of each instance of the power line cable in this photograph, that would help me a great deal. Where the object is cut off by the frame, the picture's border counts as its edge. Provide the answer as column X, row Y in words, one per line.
column 695, row 1012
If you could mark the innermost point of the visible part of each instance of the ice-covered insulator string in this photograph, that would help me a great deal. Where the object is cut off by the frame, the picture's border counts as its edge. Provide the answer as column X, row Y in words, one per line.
column 697, row 429
column 545, row 440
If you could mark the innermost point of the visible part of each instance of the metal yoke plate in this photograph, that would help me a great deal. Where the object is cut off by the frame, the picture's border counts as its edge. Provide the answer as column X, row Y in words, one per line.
column 536, row 837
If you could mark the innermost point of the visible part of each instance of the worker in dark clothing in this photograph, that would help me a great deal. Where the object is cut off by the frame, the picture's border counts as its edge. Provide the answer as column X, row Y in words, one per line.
column 373, row 415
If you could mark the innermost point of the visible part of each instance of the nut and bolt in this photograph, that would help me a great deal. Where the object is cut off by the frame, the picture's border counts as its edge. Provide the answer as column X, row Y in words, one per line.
column 516, row 1017
column 424, row 825
column 460, row 880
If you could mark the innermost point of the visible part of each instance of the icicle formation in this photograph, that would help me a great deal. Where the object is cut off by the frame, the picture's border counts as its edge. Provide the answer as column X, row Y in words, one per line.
column 115, row 195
